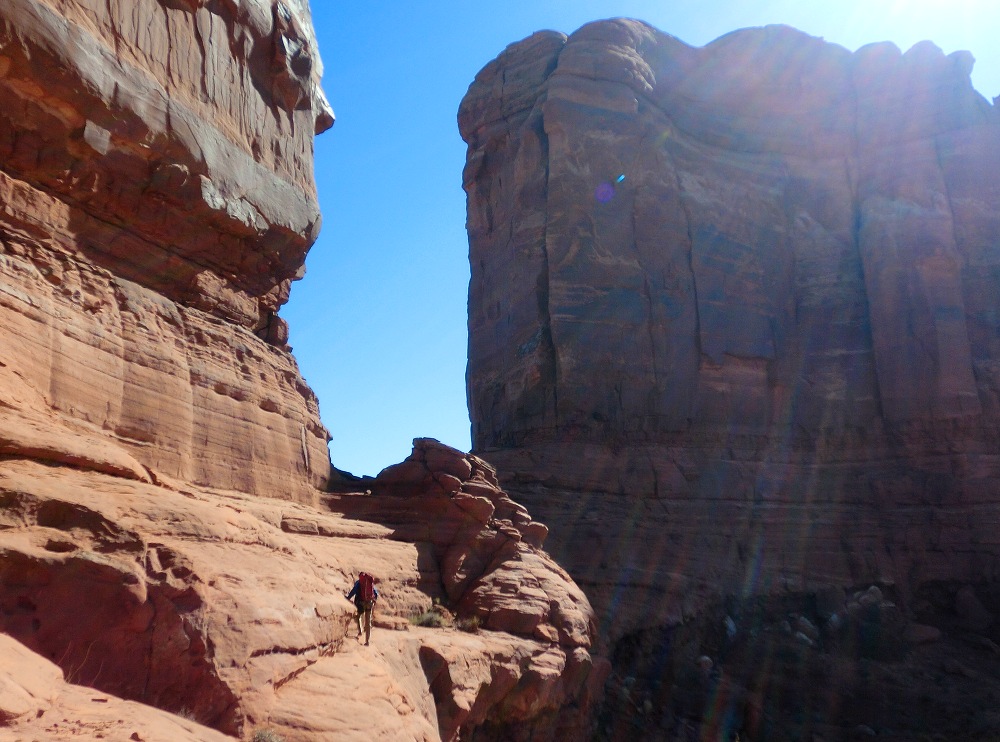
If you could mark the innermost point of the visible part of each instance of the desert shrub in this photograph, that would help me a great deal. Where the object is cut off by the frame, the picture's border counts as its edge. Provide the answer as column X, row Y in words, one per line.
column 266, row 735
column 472, row 624
column 430, row 619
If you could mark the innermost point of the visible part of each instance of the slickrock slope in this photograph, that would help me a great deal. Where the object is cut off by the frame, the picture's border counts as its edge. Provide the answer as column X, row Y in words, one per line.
column 167, row 531
column 733, row 320
column 228, row 608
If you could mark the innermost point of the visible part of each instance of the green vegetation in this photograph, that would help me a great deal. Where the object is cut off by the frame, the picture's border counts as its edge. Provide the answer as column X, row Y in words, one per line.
column 440, row 617
column 433, row 619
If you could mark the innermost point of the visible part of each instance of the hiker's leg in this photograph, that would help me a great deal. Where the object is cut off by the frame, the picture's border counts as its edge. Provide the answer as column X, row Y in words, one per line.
column 361, row 616
column 368, row 625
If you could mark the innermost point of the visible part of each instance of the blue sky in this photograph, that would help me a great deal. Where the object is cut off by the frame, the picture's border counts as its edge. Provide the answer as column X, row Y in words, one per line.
column 378, row 324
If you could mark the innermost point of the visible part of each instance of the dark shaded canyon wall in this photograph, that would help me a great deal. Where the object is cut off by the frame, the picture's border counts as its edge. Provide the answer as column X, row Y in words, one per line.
column 733, row 312
column 156, row 202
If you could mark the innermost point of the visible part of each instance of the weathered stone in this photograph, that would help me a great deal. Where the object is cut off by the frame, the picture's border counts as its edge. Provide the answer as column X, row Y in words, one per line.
column 200, row 91
column 732, row 312
column 166, row 533
column 806, row 627
column 490, row 567
column 37, row 703
column 446, row 460
column 805, row 640
column 291, row 524
column 479, row 507
column 32, row 688
column 534, row 533
column 148, row 236
column 449, row 484
column 405, row 472
column 479, row 487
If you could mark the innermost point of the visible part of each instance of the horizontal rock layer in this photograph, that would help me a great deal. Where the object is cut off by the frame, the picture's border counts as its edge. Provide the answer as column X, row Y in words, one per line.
column 228, row 609
column 732, row 312
column 156, row 201
column 166, row 533
column 93, row 361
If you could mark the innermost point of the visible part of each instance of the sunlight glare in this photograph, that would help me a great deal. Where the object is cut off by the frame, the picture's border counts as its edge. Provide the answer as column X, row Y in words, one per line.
column 917, row 17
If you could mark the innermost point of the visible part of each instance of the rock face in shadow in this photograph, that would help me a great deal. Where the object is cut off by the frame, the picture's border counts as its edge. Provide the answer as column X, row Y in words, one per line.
column 733, row 314
column 39, row 704
column 168, row 537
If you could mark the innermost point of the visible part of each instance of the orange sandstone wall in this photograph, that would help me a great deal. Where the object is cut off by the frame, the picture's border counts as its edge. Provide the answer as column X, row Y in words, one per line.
column 156, row 202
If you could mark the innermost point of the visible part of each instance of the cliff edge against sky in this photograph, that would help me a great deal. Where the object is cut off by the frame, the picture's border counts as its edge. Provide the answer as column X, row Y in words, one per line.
column 733, row 330
column 168, row 533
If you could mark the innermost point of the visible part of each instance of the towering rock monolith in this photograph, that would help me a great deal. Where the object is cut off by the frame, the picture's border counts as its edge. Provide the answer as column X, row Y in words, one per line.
column 733, row 315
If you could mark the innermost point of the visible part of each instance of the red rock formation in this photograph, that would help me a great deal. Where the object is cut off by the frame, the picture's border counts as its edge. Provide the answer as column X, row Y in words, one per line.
column 488, row 547
column 166, row 533
column 157, row 201
column 36, row 703
column 733, row 314
column 480, row 553
column 228, row 609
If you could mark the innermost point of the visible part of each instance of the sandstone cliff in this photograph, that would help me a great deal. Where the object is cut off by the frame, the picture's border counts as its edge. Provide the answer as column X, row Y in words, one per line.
column 226, row 608
column 157, row 202
column 168, row 535
column 733, row 319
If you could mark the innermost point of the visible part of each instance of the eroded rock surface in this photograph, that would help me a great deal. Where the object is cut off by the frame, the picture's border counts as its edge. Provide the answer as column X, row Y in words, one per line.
column 36, row 703
column 176, row 135
column 156, row 202
column 479, row 554
column 733, row 314
column 228, row 609
column 166, row 532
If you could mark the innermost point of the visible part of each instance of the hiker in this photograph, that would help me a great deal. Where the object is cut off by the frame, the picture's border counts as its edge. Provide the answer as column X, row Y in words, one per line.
column 365, row 595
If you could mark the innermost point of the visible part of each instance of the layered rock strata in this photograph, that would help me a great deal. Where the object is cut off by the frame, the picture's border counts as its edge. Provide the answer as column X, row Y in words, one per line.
column 156, row 202
column 228, row 609
column 733, row 314
column 167, row 534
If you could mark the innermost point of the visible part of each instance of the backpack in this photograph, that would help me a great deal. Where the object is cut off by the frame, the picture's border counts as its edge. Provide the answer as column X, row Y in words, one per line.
column 366, row 588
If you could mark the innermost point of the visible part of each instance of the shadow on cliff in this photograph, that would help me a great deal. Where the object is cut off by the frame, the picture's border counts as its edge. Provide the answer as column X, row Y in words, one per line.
column 829, row 666
column 138, row 637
